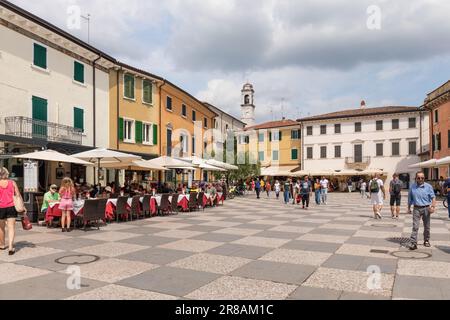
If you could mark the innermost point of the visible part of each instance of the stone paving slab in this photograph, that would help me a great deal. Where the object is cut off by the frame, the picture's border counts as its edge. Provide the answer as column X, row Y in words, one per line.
column 246, row 249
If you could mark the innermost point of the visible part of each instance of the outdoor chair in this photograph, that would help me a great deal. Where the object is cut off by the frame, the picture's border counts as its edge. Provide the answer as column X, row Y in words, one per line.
column 146, row 205
column 41, row 215
column 135, row 207
column 102, row 208
column 200, row 203
column 91, row 213
column 164, row 206
column 193, row 201
column 174, row 204
column 121, row 208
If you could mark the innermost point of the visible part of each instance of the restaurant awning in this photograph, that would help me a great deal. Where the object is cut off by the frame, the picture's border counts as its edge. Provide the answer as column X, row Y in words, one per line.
column 221, row 164
column 443, row 162
column 277, row 171
column 202, row 164
column 426, row 164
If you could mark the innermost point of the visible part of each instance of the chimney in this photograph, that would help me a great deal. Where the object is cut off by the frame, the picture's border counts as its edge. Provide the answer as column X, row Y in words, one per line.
column 363, row 104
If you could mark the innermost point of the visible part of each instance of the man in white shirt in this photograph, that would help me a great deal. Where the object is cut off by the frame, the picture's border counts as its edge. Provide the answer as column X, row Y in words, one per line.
column 377, row 195
column 324, row 189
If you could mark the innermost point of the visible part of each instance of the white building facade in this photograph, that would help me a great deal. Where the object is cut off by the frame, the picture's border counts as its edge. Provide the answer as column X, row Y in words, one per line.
column 51, row 96
column 367, row 139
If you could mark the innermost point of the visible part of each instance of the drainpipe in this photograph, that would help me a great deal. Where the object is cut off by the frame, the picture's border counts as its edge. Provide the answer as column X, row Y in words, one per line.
column 160, row 127
column 303, row 147
column 94, row 91
column 118, row 106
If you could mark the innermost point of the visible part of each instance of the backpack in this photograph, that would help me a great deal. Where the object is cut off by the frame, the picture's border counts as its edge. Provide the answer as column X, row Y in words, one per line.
column 396, row 188
column 374, row 186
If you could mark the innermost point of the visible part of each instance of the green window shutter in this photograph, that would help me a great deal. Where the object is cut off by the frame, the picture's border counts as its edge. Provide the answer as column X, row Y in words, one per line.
column 39, row 109
column 121, row 129
column 40, row 56
column 129, row 86
column 147, row 91
column 270, row 136
column 78, row 119
column 281, row 135
column 294, row 154
column 78, row 72
column 155, row 134
column 138, row 132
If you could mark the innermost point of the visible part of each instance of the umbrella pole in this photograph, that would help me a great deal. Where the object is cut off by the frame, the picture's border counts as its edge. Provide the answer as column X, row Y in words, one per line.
column 98, row 172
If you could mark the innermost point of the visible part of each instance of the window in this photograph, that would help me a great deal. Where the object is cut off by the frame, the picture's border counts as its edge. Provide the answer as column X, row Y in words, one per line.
column 40, row 56
column 78, row 119
column 379, row 125
column 323, row 129
column 337, row 128
column 169, row 142
column 128, row 87
column 205, row 122
column 337, row 151
column 395, row 148
column 380, row 149
column 193, row 146
column 412, row 123
column 261, row 156
column 309, row 131
column 412, row 148
column 358, row 127
column 395, row 124
column 147, row 91
column 294, row 154
column 78, row 72
column 244, row 139
column 184, row 110
column 276, row 136
column 295, row 134
column 323, row 152
column 275, row 156
column 260, row 137
column 147, row 133
column 226, row 128
column 169, row 103
column 128, row 130
column 194, row 115
column 309, row 152
column 436, row 116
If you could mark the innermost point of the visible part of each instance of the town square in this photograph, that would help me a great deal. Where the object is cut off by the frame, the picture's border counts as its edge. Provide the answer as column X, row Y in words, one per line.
column 244, row 155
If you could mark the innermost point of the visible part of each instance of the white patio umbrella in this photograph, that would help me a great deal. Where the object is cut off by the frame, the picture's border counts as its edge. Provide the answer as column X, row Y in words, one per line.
column 52, row 156
column 426, row 164
column 134, row 165
column 221, row 164
column 443, row 162
column 106, row 156
column 172, row 163
column 203, row 164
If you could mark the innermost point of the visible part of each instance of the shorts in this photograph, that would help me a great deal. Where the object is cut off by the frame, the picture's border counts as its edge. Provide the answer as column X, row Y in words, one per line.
column 66, row 205
column 395, row 200
column 8, row 213
column 376, row 199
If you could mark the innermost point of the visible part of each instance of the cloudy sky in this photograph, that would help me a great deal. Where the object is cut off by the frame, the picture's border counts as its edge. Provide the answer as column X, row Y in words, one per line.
column 304, row 57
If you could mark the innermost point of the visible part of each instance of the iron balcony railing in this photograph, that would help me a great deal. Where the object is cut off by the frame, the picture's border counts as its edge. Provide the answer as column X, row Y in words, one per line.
column 37, row 129
column 356, row 160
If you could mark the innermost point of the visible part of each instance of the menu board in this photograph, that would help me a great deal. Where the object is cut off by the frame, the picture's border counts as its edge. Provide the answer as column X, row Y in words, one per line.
column 30, row 176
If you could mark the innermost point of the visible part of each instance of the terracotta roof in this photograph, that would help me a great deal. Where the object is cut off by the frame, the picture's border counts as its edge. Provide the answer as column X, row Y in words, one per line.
column 274, row 124
column 351, row 113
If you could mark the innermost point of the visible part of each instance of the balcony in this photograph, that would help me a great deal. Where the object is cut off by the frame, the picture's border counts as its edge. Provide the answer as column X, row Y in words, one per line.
column 357, row 163
column 29, row 128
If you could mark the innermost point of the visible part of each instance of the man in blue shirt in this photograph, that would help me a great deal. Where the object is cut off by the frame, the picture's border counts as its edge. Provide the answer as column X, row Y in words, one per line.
column 257, row 188
column 445, row 188
column 422, row 197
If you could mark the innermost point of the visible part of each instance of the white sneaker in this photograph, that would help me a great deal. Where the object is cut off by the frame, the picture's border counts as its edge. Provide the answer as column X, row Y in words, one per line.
column 379, row 215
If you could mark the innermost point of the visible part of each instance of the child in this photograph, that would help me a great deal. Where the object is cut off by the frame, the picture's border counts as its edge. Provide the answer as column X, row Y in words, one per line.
column 67, row 193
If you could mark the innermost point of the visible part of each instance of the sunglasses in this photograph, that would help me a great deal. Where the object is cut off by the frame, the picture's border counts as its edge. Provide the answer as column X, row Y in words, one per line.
column 420, row 178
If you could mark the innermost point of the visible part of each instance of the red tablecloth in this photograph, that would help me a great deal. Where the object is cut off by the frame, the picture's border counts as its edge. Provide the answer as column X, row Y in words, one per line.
column 183, row 203
column 54, row 212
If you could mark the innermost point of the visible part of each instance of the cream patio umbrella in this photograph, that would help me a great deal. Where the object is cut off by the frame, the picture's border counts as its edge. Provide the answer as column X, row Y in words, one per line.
column 221, row 164
column 106, row 156
column 172, row 163
column 425, row 164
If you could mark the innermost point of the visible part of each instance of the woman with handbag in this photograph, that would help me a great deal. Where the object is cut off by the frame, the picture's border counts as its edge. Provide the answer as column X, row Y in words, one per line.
column 67, row 193
column 10, row 198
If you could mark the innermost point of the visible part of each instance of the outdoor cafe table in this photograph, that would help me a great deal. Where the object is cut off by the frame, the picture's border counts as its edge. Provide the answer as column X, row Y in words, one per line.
column 53, row 210
column 155, row 202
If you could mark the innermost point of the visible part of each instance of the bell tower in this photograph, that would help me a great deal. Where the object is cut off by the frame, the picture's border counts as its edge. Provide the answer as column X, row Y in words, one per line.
column 248, row 106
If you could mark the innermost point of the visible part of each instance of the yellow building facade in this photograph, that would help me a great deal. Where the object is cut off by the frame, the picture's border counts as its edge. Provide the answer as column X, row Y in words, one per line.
column 275, row 145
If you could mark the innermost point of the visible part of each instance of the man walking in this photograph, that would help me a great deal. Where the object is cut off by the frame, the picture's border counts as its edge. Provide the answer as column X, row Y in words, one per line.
column 350, row 185
column 395, row 191
column 422, row 197
column 257, row 188
column 287, row 185
column 305, row 191
column 324, row 189
column 364, row 190
column 377, row 195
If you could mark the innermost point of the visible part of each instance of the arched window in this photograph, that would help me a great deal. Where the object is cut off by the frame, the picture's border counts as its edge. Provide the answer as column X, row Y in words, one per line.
column 247, row 99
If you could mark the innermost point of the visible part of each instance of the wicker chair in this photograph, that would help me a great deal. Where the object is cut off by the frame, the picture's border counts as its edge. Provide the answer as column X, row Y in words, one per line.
column 135, row 207
column 91, row 212
column 146, row 205
column 193, row 201
column 200, row 203
column 164, row 206
column 121, row 208
column 174, row 204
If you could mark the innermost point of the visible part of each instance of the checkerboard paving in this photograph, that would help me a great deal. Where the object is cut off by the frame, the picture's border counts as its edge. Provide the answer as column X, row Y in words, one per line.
column 245, row 249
